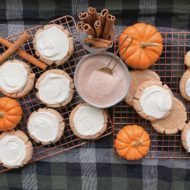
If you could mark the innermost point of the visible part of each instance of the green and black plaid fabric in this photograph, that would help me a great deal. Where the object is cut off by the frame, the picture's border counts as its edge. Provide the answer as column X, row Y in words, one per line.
column 95, row 166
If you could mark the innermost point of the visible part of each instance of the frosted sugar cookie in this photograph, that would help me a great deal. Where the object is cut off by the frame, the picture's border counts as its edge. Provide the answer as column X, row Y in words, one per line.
column 15, row 149
column 137, row 78
column 45, row 126
column 53, row 44
column 16, row 78
column 55, row 88
column 88, row 122
column 184, row 85
column 153, row 100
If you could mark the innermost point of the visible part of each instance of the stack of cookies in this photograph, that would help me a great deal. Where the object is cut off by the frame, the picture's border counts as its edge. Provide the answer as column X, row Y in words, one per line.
column 155, row 102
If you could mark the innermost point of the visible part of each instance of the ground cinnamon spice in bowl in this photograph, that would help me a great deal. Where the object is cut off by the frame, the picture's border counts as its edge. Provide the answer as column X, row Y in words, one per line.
column 98, row 88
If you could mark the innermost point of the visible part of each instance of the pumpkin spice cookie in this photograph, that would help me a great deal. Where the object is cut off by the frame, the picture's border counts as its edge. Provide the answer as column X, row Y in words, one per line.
column 137, row 78
column 184, row 85
column 185, row 137
column 55, row 88
column 15, row 149
column 45, row 126
column 174, row 122
column 153, row 100
column 53, row 44
column 16, row 78
column 88, row 122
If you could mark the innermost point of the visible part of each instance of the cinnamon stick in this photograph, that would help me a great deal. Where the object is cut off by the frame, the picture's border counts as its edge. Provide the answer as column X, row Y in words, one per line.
column 14, row 47
column 103, row 15
column 98, row 28
column 109, row 23
column 85, row 17
column 93, row 13
column 23, row 54
column 98, row 42
column 80, row 25
column 89, row 30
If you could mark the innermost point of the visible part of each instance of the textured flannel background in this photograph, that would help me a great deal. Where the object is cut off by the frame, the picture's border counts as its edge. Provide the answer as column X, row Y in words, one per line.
column 95, row 166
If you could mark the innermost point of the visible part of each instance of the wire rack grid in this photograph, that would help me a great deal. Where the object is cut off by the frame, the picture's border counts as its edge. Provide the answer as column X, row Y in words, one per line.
column 30, row 103
column 170, row 67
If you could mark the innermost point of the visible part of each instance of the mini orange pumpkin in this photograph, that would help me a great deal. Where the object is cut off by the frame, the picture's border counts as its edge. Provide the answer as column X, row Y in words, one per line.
column 132, row 142
column 10, row 113
column 145, row 47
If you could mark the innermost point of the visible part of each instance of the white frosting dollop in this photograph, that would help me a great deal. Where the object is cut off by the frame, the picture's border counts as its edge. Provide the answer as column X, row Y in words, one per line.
column 187, row 87
column 12, row 150
column 13, row 77
column 54, row 88
column 53, row 44
column 156, row 101
column 88, row 120
column 44, row 126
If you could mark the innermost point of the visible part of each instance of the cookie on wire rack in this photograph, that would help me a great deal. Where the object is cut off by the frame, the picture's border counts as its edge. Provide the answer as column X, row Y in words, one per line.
column 88, row 122
column 184, row 85
column 45, row 126
column 187, row 59
column 137, row 78
column 185, row 137
column 53, row 44
column 16, row 78
column 15, row 149
column 153, row 100
column 55, row 88
column 174, row 122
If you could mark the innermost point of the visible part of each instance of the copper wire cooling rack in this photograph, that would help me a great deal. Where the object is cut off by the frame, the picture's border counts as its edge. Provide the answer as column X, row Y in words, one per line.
column 30, row 103
column 170, row 67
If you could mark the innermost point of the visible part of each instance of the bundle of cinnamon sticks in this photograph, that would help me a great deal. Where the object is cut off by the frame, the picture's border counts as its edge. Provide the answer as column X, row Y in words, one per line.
column 99, row 27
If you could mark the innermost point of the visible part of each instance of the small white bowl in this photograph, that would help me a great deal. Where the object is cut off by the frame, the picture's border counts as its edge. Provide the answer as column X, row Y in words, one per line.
column 119, row 62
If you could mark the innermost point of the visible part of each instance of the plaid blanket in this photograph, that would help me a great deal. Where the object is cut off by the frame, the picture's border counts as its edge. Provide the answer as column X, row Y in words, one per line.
column 95, row 165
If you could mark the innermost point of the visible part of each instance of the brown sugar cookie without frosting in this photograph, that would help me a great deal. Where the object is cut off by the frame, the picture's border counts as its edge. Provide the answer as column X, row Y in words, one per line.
column 174, row 122
column 137, row 78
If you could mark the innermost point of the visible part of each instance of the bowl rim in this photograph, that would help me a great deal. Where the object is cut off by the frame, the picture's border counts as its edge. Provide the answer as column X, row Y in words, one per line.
column 120, row 62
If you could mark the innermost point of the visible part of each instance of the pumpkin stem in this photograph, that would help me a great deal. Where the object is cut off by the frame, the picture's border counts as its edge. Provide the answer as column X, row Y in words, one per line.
column 1, row 114
column 137, row 143
column 146, row 44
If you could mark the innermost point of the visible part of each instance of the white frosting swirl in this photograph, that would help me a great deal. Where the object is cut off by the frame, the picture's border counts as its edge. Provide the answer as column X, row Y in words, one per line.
column 44, row 126
column 156, row 101
column 13, row 77
column 88, row 120
column 54, row 88
column 53, row 44
column 187, row 87
column 12, row 150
